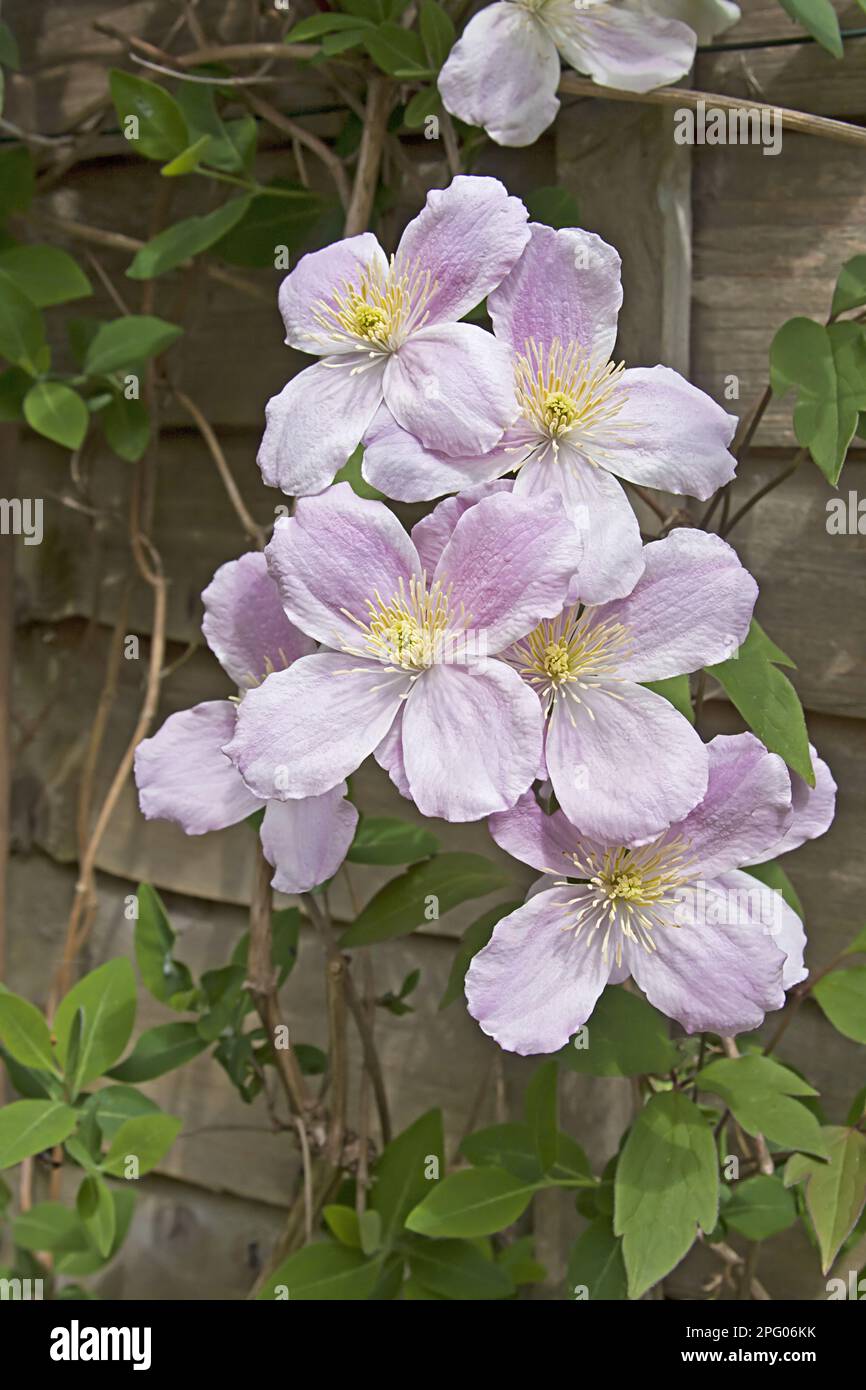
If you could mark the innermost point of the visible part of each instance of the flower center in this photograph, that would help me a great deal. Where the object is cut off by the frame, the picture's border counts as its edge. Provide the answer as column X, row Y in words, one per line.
column 563, row 391
column 376, row 312
column 411, row 630
column 565, row 655
column 631, row 893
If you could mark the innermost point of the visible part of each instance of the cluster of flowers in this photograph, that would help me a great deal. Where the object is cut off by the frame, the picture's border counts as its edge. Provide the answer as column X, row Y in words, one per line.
column 508, row 640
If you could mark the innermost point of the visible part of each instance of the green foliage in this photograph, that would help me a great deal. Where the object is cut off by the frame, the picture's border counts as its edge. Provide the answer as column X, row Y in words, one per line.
column 161, row 128
column 677, row 690
column 384, row 840
column 443, row 882
column 667, row 1186
column 437, row 32
column 168, row 980
column 127, row 427
column 24, row 1033
column 104, row 1001
column 625, row 1036
column 541, row 1113
column 17, row 181
column 850, row 291
column 457, row 1269
column 596, row 1263
column 767, row 700
column 554, row 206
column 759, row 1207
column 760, row 1094
column 56, row 411
column 323, row 1272
column 819, row 19
column 47, row 275
column 170, row 248
column 29, row 1126
column 95, row 1207
column 424, row 103
column 472, row 1202
column 836, row 1190
column 401, row 1173
column 399, row 52
column 146, row 1138
column 127, row 342
column 22, row 332
column 288, row 220
column 842, row 996
column 827, row 365
column 160, row 1050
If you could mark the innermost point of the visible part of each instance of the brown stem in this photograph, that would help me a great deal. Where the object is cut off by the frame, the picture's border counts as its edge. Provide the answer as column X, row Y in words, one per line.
column 369, row 156
column 801, row 121
column 256, row 533
column 323, row 152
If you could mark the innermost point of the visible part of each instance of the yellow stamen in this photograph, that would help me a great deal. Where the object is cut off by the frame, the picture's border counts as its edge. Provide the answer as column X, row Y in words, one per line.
column 563, row 390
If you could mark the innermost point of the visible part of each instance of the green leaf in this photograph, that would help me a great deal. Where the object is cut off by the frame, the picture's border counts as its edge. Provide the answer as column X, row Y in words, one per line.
column 473, row 1202
column 857, row 946
column 842, row 996
column 437, row 33
column 625, row 1036
column 56, row 411
column 162, row 131
column 457, row 1269
column 518, row 1259
column 850, row 291
column 759, row 1092
column 667, row 1185
column 384, row 840
column 111, row 1106
column 22, row 333
column 45, row 274
column 774, row 876
column 106, row 998
column 14, row 385
column 17, row 181
column 147, row 1138
column 342, row 1222
column 541, row 1112
column 128, row 341
column 95, row 1207
column 229, row 1002
column 318, row 24
column 675, row 689
column 127, row 427
column 425, row 103
column 554, row 206
column 323, row 1272
column 188, row 159
column 270, row 223
column 9, row 55
column 160, row 1050
column 29, row 1126
column 401, row 1175
column 828, row 368
column 186, row 239
column 441, row 884
column 397, row 51
column 473, row 939
column 168, row 980
column 351, row 473
column 759, row 1208
column 836, row 1190
column 49, row 1226
column 767, row 701
column 819, row 19
column 340, row 43
column 508, row 1146
column 596, row 1263
column 25, row 1034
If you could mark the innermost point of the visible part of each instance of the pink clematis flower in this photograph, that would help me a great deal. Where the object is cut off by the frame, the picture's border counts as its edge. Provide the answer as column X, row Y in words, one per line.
column 708, row 944
column 503, row 73
column 407, row 677
column 584, row 421
column 389, row 341
column 182, row 773
column 623, row 762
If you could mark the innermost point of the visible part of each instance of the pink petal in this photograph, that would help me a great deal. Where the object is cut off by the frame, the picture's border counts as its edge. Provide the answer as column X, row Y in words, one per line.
column 244, row 623
column 633, row 53
column 542, row 841
column 398, row 465
column 332, row 557
column 692, row 607
column 452, row 385
column 509, row 562
column 744, row 811
column 306, row 841
column 317, row 422
column 306, row 729
column 566, row 285
column 471, row 740
column 534, row 983
column 502, row 75
column 467, row 237
column 607, row 535
column 607, row 767
column 432, row 533
column 389, row 756
column 311, row 285
column 814, row 809
column 772, row 915
column 668, row 434
column 183, row 776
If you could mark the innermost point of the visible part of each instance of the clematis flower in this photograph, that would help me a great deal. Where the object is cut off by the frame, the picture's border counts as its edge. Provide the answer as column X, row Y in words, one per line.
column 708, row 944
column 387, row 332
column 182, row 773
column 503, row 72
column 584, row 421
column 407, row 677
